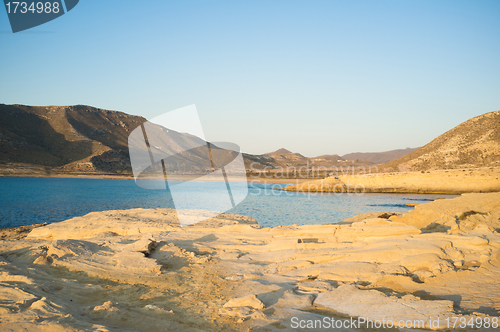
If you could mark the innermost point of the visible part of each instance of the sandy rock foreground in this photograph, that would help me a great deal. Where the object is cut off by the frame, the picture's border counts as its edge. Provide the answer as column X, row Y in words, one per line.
column 137, row 270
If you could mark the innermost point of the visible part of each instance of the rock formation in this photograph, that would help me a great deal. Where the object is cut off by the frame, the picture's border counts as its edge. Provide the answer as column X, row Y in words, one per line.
column 138, row 269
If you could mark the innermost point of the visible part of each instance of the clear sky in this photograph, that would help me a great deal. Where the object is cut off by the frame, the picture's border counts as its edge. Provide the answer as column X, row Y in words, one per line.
column 315, row 77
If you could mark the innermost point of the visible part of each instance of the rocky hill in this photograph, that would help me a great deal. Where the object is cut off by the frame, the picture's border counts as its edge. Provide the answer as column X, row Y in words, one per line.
column 78, row 138
column 473, row 143
column 279, row 151
column 84, row 139
column 284, row 158
column 379, row 157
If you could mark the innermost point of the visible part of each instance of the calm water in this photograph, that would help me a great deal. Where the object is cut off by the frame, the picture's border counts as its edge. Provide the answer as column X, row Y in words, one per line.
column 25, row 201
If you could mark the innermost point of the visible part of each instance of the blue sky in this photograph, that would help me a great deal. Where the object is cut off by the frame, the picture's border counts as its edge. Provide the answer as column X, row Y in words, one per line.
column 316, row 77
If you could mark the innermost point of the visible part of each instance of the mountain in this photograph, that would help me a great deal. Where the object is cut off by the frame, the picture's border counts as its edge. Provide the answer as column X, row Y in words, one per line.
column 286, row 158
column 473, row 143
column 279, row 151
column 85, row 139
column 378, row 157
column 289, row 159
column 80, row 138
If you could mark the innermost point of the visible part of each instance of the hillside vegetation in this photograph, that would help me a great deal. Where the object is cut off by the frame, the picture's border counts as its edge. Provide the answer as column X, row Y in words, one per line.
column 473, row 143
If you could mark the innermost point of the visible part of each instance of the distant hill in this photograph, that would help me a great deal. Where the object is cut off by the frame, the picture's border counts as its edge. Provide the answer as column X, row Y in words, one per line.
column 473, row 143
column 328, row 157
column 378, row 157
column 289, row 159
column 279, row 151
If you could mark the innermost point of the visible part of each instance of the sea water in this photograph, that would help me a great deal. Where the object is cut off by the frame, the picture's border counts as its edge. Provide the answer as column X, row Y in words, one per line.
column 25, row 200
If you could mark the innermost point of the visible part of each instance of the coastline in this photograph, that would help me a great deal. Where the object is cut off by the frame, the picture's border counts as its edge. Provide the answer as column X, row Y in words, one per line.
column 228, row 273
column 442, row 182
column 447, row 182
column 175, row 177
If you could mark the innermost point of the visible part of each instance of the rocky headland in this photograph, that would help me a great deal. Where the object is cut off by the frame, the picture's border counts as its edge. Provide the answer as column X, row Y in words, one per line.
column 455, row 181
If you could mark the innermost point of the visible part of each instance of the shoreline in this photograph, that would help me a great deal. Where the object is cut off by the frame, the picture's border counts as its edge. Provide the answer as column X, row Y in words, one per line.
column 439, row 182
column 130, row 177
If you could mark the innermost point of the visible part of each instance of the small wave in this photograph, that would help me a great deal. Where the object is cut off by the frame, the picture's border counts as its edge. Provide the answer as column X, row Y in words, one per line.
column 416, row 199
column 255, row 185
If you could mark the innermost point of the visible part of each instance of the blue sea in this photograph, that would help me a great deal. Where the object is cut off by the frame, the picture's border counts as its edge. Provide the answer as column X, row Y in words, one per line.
column 25, row 200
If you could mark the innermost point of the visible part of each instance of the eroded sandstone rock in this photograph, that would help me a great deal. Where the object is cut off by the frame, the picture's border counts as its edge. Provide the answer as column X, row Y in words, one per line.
column 231, row 274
